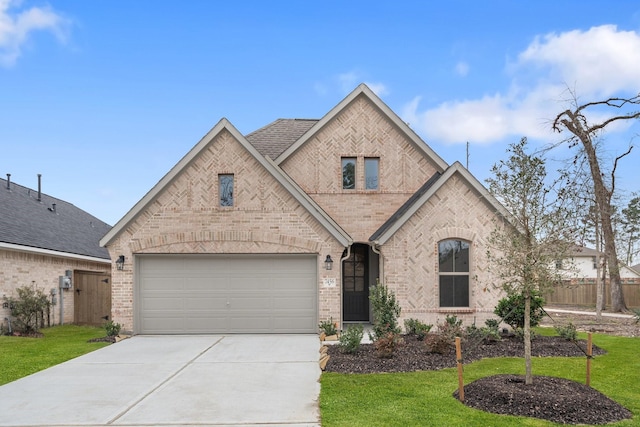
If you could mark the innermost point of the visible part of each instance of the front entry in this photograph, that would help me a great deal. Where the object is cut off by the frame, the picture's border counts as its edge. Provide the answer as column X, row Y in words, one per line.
column 355, row 284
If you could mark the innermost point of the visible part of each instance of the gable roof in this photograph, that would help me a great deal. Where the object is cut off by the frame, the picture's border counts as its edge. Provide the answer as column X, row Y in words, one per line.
column 424, row 193
column 224, row 125
column 48, row 225
column 272, row 139
column 636, row 268
column 363, row 90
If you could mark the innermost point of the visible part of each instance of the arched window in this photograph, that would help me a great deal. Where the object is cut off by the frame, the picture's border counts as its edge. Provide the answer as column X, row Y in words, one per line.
column 453, row 261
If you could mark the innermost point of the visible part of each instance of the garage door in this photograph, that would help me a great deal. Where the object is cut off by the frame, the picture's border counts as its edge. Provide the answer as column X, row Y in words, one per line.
column 209, row 294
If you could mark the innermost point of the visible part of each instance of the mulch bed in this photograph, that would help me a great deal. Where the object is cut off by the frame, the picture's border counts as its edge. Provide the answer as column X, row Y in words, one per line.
column 553, row 399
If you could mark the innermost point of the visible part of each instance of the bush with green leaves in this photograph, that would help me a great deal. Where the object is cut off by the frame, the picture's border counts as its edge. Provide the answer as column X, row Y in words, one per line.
column 386, row 311
column 28, row 309
column 636, row 314
column 112, row 329
column 511, row 310
column 351, row 338
column 328, row 327
column 417, row 328
column 567, row 332
column 488, row 333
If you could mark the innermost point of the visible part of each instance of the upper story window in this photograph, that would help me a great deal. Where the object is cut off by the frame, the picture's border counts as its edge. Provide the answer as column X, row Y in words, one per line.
column 371, row 168
column 349, row 173
column 453, row 261
column 226, row 189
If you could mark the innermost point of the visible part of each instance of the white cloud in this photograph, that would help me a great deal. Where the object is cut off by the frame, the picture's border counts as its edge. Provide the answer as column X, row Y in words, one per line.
column 597, row 63
column 15, row 27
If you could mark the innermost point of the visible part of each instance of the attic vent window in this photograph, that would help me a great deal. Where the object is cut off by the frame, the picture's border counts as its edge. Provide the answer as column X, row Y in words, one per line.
column 226, row 190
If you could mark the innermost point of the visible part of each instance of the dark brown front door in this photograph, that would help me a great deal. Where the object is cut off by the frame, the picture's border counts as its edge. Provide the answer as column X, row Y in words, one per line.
column 92, row 298
column 355, row 284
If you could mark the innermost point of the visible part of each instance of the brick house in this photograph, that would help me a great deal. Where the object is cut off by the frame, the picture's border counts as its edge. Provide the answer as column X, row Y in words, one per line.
column 236, row 237
column 43, row 238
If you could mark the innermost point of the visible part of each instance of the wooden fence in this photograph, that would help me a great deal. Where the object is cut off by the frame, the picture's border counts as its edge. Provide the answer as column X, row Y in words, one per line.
column 583, row 293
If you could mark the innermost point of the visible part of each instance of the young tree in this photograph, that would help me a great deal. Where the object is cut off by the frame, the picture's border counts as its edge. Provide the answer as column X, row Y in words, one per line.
column 585, row 134
column 630, row 231
column 523, row 252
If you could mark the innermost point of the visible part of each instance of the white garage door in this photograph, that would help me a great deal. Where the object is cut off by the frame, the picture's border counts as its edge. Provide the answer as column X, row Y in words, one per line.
column 211, row 294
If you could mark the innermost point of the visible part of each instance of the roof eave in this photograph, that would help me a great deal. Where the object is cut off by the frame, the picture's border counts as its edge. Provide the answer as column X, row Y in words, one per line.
column 363, row 89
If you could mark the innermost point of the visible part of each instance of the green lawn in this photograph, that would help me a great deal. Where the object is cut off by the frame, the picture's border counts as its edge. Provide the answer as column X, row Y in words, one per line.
column 21, row 356
column 425, row 398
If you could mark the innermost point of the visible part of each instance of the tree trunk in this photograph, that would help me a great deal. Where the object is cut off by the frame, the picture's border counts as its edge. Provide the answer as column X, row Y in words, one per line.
column 603, row 203
column 527, row 338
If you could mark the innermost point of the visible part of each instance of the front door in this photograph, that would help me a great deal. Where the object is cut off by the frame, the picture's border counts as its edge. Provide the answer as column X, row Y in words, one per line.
column 355, row 284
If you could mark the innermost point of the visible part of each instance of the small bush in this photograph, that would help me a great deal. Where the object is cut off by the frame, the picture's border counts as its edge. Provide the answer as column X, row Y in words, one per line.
column 439, row 343
column 519, row 333
column 636, row 314
column 511, row 310
column 567, row 332
column 417, row 328
column 328, row 327
column 351, row 338
column 112, row 329
column 387, row 344
column 386, row 311
column 27, row 309
column 452, row 327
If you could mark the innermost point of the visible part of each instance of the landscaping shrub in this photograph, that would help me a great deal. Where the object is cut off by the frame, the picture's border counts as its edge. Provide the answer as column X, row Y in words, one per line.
column 351, row 338
column 417, row 328
column 567, row 332
column 511, row 310
column 636, row 314
column 112, row 329
column 328, row 327
column 27, row 309
column 386, row 311
column 387, row 344
column 489, row 333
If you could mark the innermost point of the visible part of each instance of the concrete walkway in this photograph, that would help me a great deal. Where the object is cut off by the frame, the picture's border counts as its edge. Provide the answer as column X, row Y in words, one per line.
column 238, row 380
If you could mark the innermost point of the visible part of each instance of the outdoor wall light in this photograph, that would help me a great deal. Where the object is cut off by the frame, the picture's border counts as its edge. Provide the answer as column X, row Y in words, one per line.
column 120, row 262
column 328, row 263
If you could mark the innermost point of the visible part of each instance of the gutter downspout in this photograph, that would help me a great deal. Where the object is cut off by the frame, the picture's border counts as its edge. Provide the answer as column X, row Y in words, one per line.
column 341, row 287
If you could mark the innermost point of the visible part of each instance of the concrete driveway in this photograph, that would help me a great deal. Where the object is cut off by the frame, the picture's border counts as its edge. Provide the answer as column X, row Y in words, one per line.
column 239, row 380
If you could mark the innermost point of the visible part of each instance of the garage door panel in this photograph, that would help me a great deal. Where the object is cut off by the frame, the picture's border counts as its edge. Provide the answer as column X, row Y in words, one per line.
column 226, row 294
column 206, row 302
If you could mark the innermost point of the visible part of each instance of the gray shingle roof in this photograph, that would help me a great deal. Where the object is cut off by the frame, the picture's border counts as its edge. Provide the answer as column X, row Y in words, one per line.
column 274, row 138
column 28, row 222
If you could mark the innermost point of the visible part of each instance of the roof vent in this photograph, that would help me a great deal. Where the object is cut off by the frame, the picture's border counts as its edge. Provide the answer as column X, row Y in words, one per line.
column 8, row 181
column 53, row 208
column 40, row 188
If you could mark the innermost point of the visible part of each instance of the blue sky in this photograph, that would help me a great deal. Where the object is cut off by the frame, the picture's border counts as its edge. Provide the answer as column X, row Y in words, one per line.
column 103, row 97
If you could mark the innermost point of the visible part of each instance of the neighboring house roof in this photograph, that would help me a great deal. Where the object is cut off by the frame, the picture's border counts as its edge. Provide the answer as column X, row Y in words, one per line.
column 406, row 211
column 363, row 90
column 48, row 224
column 584, row 251
column 311, row 206
column 636, row 268
column 274, row 138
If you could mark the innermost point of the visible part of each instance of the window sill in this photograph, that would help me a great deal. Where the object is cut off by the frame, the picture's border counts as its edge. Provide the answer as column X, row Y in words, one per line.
column 456, row 310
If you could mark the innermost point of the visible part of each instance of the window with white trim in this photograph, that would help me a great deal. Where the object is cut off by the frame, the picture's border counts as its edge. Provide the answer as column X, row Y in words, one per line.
column 453, row 262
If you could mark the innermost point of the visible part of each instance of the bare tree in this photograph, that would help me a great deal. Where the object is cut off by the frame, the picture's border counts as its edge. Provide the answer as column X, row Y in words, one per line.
column 586, row 133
